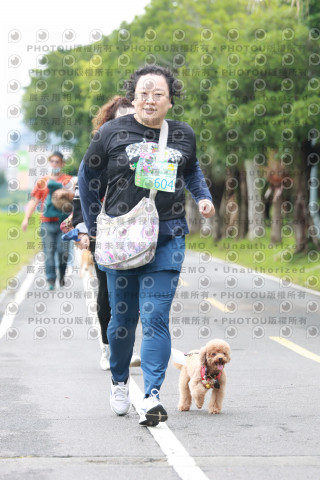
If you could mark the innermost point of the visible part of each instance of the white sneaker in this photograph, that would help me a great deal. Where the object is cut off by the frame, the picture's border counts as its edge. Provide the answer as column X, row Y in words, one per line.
column 152, row 411
column 135, row 360
column 105, row 357
column 120, row 402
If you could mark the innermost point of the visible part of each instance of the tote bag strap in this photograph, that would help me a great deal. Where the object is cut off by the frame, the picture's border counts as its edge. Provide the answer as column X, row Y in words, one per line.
column 163, row 138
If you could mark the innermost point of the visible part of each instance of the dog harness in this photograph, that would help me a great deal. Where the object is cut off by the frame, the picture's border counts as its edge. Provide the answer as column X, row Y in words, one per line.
column 210, row 381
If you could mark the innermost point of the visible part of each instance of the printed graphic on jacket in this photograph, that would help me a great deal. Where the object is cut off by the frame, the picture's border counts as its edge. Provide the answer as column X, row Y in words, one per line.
column 152, row 171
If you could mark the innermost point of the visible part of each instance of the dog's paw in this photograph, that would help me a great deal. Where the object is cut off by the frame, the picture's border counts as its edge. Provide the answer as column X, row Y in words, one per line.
column 183, row 408
column 214, row 410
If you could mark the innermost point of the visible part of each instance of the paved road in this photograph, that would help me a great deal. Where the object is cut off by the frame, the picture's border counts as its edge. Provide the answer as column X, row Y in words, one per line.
column 55, row 416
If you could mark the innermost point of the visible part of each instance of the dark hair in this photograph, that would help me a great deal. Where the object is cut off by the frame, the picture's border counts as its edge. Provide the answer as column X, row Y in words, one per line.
column 173, row 84
column 108, row 110
column 56, row 154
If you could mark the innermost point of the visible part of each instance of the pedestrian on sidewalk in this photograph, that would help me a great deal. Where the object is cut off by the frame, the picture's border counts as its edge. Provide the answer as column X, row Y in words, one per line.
column 117, row 106
column 146, row 290
column 51, row 217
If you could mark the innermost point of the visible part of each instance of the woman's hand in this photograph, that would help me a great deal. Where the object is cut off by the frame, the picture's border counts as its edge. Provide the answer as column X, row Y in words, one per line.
column 206, row 208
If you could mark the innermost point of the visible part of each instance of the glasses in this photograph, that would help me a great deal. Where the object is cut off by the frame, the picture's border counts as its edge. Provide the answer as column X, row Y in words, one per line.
column 156, row 97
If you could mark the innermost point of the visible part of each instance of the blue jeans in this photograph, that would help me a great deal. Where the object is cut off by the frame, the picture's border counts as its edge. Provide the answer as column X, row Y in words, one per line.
column 54, row 245
column 150, row 295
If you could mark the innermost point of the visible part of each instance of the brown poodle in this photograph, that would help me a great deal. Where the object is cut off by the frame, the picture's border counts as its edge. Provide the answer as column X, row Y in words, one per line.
column 86, row 264
column 204, row 370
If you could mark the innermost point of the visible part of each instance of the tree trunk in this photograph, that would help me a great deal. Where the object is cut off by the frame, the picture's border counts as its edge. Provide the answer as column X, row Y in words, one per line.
column 301, row 218
column 192, row 215
column 230, row 205
column 314, row 205
column 222, row 216
column 243, row 212
column 300, row 221
column 216, row 223
column 276, row 219
column 218, row 219
column 255, row 210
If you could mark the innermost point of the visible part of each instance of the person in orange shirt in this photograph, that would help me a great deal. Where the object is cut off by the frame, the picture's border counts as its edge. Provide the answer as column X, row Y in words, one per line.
column 51, row 218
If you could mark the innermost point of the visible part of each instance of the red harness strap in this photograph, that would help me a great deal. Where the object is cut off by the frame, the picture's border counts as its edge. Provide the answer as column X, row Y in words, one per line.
column 209, row 381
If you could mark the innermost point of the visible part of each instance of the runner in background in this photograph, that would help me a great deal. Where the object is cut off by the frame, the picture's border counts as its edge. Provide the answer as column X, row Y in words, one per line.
column 50, row 218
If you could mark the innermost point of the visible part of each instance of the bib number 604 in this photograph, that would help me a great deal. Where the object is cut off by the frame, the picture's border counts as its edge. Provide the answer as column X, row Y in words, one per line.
column 163, row 184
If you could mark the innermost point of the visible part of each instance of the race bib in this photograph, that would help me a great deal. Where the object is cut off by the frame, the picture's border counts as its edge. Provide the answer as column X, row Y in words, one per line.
column 154, row 172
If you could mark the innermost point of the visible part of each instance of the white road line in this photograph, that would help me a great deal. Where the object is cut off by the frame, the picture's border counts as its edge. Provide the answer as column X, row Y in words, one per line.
column 177, row 455
column 8, row 318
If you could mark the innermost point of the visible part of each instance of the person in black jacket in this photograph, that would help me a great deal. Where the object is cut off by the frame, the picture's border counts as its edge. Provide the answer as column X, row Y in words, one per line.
column 148, row 291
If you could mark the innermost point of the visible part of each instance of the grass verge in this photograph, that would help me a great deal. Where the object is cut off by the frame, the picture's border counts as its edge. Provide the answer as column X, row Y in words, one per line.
column 17, row 247
column 263, row 257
